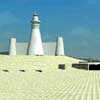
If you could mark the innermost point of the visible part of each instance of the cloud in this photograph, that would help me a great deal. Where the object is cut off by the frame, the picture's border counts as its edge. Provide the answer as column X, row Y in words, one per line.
column 82, row 37
column 81, row 32
column 93, row 2
column 7, row 18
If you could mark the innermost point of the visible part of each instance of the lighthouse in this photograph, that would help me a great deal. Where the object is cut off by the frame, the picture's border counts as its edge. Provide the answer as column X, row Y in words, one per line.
column 35, row 44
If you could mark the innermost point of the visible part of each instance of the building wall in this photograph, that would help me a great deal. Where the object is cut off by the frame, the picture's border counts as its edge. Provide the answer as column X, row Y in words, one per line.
column 49, row 48
column 21, row 48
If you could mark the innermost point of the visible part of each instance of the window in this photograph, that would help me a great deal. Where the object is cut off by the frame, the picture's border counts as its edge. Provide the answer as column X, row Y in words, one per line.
column 38, row 70
column 61, row 66
column 5, row 70
column 22, row 70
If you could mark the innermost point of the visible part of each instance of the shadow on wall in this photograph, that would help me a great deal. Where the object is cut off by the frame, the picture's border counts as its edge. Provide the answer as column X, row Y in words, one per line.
column 4, row 53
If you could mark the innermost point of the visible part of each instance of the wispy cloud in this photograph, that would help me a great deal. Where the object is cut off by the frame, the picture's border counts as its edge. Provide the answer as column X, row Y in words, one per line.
column 81, row 31
column 81, row 36
column 93, row 2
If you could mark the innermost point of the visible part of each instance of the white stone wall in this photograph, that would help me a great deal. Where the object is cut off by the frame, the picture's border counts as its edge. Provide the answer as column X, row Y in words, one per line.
column 60, row 47
column 12, row 47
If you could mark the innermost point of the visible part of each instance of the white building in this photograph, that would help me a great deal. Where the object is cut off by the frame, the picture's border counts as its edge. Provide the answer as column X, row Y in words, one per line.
column 35, row 46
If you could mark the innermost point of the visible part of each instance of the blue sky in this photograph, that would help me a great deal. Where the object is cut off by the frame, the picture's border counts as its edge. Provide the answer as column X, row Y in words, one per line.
column 78, row 21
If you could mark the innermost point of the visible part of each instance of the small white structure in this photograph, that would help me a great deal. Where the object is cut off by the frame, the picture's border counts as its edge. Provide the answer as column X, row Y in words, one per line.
column 60, row 47
column 12, row 48
column 35, row 43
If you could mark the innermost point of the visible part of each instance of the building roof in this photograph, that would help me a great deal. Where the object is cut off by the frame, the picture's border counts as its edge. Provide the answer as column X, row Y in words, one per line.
column 19, row 79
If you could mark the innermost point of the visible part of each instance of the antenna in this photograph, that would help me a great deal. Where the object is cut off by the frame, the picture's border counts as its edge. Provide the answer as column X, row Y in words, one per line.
column 35, row 12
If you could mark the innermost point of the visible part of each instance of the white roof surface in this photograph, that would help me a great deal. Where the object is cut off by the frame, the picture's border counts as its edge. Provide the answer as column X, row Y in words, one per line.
column 51, row 84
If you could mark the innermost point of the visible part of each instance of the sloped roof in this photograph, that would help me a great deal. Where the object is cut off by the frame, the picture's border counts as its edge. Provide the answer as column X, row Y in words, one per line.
column 50, row 84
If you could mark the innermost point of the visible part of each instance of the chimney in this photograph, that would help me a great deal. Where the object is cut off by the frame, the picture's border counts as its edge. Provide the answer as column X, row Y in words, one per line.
column 60, row 47
column 12, row 47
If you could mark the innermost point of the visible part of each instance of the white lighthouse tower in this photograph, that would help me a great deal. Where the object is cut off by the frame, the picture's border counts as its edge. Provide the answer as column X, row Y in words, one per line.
column 35, row 44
